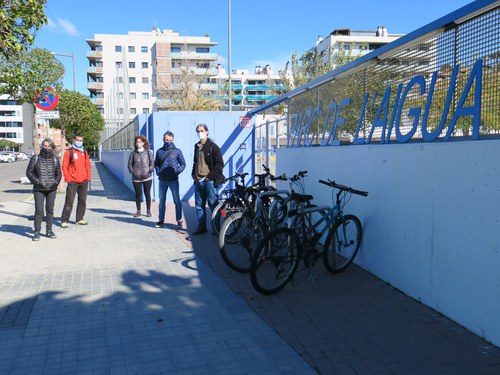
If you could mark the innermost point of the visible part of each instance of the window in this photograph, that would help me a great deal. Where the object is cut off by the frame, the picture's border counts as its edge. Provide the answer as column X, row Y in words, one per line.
column 133, row 111
column 120, row 95
column 131, row 65
column 132, row 95
column 145, row 111
column 175, row 49
column 118, row 64
column 118, row 48
column 131, row 80
column 145, row 80
column 144, row 49
column 202, row 49
column 120, row 111
column 131, row 48
column 145, row 95
column 120, row 79
column 144, row 65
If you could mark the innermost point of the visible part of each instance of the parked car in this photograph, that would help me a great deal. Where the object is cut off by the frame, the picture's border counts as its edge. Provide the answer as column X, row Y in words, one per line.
column 21, row 156
column 7, row 157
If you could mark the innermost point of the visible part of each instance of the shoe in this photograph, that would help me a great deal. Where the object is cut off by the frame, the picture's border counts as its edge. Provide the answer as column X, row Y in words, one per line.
column 81, row 222
column 180, row 223
column 64, row 225
column 159, row 224
column 36, row 236
column 51, row 234
column 200, row 230
column 137, row 214
column 148, row 214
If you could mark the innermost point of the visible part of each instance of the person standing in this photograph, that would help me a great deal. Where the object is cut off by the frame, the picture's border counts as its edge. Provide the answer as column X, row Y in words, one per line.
column 141, row 166
column 44, row 172
column 77, row 174
column 208, row 166
column 169, row 164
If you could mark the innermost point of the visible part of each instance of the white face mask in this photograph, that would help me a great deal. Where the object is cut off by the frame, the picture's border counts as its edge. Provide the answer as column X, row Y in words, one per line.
column 202, row 135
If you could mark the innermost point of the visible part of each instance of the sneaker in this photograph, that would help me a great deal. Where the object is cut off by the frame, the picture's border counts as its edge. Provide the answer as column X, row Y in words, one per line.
column 179, row 223
column 159, row 224
column 201, row 229
column 137, row 214
column 51, row 234
column 36, row 236
column 81, row 222
column 64, row 225
column 148, row 213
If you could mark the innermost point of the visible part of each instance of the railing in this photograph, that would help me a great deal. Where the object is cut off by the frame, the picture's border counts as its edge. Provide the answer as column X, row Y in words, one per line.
column 122, row 139
column 438, row 83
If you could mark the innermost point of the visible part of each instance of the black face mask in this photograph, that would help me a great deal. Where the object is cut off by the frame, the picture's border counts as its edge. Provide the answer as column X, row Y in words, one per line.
column 45, row 151
column 167, row 144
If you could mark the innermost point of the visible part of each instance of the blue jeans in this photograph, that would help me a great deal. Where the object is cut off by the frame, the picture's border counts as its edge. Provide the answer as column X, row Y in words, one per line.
column 204, row 192
column 174, row 188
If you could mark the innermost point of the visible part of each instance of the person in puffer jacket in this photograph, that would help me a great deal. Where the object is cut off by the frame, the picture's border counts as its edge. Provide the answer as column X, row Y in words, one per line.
column 44, row 172
column 169, row 164
column 141, row 166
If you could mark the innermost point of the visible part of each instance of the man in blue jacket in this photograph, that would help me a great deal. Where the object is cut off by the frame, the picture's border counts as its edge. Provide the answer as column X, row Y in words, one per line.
column 169, row 164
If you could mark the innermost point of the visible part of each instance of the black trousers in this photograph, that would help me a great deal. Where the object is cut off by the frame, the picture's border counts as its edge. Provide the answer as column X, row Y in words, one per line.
column 81, row 189
column 139, row 187
column 46, row 198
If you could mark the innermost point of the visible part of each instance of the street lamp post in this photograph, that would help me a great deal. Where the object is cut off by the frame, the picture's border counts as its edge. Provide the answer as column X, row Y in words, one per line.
column 229, row 53
column 72, row 55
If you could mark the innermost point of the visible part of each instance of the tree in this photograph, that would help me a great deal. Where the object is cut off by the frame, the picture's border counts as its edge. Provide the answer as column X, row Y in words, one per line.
column 77, row 115
column 187, row 91
column 32, row 71
column 19, row 22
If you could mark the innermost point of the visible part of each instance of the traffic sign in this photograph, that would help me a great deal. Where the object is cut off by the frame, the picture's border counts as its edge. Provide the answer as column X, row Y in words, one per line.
column 245, row 122
column 46, row 100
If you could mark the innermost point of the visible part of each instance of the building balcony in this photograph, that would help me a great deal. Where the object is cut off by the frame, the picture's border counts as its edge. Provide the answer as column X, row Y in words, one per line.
column 92, row 55
column 255, row 98
column 259, row 87
column 189, row 55
column 196, row 71
column 94, row 70
column 95, row 86
column 97, row 101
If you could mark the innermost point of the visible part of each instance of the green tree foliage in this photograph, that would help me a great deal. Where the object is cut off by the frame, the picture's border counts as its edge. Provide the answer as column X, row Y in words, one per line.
column 33, row 70
column 77, row 115
column 19, row 22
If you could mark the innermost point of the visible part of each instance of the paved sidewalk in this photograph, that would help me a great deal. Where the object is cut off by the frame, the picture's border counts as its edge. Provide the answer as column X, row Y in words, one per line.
column 119, row 296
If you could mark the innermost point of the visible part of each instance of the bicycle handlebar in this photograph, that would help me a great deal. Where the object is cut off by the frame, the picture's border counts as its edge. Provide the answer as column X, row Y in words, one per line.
column 344, row 188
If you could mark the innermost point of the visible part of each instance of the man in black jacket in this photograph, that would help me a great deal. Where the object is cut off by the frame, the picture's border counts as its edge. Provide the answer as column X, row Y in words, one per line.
column 207, row 175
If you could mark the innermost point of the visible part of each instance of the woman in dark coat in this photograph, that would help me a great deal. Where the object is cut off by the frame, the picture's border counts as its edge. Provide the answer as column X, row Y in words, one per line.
column 44, row 172
column 141, row 166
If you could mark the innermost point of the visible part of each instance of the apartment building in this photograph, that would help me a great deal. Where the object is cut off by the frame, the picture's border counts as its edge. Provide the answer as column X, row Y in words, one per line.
column 249, row 90
column 126, row 72
column 353, row 43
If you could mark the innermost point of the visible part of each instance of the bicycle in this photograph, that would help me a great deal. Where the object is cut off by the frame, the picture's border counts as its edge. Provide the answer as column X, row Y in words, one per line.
column 238, row 198
column 242, row 231
column 276, row 259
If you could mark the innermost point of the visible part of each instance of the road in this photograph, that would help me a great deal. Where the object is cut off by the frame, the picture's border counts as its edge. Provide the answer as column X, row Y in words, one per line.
column 11, row 189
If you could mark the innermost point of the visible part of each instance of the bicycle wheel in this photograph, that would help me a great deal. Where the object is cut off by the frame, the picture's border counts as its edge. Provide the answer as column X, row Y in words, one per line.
column 238, row 239
column 222, row 211
column 278, row 211
column 275, row 261
column 342, row 243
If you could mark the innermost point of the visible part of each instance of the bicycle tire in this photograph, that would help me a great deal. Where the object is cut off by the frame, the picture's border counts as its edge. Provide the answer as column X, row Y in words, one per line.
column 336, row 255
column 275, row 261
column 244, row 237
column 223, row 210
column 279, row 212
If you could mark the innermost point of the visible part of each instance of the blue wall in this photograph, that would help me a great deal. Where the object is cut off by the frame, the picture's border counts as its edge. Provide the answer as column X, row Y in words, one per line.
column 224, row 129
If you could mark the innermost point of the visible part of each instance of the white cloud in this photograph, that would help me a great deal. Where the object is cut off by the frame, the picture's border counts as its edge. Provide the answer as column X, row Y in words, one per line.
column 62, row 25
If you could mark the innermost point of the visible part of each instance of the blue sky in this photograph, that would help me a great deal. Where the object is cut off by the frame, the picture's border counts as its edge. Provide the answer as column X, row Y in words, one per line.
column 262, row 33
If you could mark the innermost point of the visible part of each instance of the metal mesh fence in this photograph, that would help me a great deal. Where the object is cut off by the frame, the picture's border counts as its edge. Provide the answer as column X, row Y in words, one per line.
column 424, row 90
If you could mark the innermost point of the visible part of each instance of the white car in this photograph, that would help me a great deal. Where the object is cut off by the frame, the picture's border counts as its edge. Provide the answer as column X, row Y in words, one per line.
column 7, row 157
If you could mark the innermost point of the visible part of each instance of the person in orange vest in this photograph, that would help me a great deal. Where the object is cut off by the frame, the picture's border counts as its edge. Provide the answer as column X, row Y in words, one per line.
column 77, row 174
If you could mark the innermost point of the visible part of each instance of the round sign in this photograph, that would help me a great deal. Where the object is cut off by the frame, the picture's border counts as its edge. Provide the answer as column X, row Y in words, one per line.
column 46, row 100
